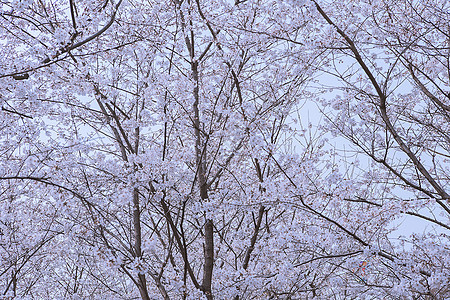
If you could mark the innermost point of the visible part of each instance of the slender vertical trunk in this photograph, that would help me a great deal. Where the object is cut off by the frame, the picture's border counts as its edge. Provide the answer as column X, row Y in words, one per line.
column 209, row 258
column 14, row 282
column 201, row 166
column 142, row 283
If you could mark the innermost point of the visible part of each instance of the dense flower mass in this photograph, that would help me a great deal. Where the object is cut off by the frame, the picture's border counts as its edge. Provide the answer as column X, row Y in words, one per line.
column 224, row 149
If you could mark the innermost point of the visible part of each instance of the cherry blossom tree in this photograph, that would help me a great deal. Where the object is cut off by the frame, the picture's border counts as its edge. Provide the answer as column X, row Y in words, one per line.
column 158, row 149
column 390, row 64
